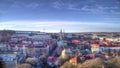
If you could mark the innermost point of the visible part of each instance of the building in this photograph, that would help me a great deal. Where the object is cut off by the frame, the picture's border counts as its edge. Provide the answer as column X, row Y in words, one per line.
column 94, row 48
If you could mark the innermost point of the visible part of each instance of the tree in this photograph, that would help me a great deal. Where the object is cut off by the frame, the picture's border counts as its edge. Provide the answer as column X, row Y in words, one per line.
column 68, row 65
column 113, row 63
column 32, row 61
column 63, row 60
column 25, row 65
column 94, row 63
column 5, row 34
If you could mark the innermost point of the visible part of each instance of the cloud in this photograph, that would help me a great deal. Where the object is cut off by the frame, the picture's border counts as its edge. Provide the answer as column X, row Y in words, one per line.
column 17, row 4
column 31, row 5
column 118, row 2
column 62, row 5
column 92, row 9
column 56, row 26
column 88, row 6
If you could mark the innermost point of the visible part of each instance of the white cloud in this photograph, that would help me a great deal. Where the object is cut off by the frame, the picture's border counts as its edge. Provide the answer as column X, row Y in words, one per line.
column 56, row 26
column 80, row 5
column 23, row 4
column 83, row 6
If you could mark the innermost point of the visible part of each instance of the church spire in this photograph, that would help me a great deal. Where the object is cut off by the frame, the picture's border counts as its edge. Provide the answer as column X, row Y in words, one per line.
column 61, row 34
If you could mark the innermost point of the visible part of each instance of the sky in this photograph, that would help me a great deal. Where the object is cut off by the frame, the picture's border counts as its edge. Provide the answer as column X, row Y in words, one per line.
column 54, row 15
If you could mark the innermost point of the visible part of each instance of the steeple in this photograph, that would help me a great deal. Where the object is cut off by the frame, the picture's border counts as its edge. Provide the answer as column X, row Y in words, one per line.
column 61, row 34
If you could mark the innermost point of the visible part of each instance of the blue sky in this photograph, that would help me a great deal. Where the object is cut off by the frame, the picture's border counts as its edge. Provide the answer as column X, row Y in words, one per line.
column 53, row 15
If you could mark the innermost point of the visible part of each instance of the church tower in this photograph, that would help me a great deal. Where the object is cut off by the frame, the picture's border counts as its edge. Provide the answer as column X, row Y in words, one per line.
column 61, row 36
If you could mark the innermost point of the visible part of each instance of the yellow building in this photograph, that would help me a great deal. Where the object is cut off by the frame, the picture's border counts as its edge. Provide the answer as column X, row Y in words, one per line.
column 94, row 47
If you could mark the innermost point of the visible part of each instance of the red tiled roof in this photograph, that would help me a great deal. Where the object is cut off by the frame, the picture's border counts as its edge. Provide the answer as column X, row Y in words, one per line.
column 95, row 45
column 52, row 59
column 75, row 41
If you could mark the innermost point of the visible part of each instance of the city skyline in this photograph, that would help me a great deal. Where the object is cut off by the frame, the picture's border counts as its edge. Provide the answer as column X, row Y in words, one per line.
column 53, row 15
